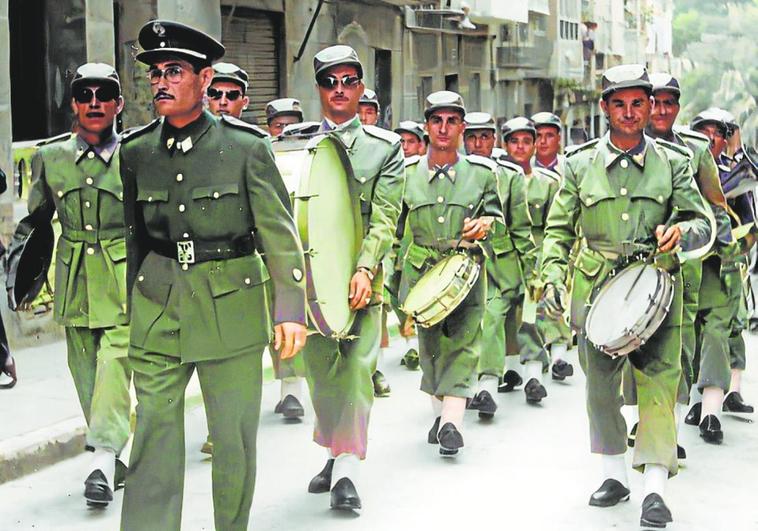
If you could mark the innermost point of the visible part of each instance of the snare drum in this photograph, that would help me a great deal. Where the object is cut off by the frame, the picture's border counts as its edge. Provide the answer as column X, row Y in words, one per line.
column 441, row 289
column 619, row 320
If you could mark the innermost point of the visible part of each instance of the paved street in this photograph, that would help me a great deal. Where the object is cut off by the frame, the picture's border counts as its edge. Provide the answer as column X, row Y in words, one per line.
column 529, row 469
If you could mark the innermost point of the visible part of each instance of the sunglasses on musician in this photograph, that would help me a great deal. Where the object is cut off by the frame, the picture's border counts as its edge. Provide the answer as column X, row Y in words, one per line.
column 102, row 94
column 231, row 95
column 331, row 82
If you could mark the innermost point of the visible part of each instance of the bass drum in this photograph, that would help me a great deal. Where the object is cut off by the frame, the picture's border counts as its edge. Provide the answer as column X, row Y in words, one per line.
column 318, row 174
column 624, row 315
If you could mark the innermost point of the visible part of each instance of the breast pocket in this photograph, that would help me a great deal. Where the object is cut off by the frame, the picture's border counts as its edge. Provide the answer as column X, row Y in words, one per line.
column 650, row 208
column 151, row 201
column 69, row 203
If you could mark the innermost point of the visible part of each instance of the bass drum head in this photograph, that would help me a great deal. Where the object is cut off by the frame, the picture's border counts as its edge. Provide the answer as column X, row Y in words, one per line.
column 331, row 229
column 289, row 155
column 432, row 283
column 613, row 314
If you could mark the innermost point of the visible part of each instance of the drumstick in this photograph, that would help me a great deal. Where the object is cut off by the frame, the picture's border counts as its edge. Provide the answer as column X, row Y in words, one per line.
column 652, row 253
column 473, row 212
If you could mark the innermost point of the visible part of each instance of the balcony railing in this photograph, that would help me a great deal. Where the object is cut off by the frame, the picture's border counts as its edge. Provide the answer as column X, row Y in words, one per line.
column 533, row 57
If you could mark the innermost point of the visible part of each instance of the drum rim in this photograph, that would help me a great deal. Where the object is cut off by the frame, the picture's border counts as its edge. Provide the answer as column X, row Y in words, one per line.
column 300, row 207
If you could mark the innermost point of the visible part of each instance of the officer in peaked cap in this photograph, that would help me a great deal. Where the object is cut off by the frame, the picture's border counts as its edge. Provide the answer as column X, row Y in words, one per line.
column 607, row 225
column 79, row 179
column 202, row 296
column 412, row 137
column 368, row 107
column 228, row 91
column 281, row 113
column 340, row 372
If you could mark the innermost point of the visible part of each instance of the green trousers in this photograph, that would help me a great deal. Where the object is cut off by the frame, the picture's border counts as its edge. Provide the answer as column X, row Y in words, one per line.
column 719, row 300
column 497, row 309
column 97, row 359
column 739, row 324
column 231, row 391
column 657, row 372
column 339, row 378
column 449, row 351
column 289, row 368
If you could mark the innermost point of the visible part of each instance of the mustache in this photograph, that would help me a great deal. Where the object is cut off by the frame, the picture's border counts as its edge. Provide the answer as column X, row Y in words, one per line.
column 162, row 95
column 95, row 114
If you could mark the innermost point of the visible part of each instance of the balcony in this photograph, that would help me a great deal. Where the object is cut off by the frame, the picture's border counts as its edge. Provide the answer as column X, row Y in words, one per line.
column 533, row 59
column 567, row 60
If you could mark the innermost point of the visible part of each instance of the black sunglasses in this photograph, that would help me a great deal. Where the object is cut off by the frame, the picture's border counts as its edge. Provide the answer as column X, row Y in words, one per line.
column 331, row 82
column 102, row 94
column 231, row 95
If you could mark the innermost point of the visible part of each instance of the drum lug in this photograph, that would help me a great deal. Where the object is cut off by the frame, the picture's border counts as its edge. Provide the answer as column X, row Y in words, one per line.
column 311, row 252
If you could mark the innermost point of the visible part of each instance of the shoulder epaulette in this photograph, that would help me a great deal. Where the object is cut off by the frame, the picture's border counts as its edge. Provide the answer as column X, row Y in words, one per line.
column 681, row 150
column 510, row 165
column 550, row 174
column 383, row 134
column 131, row 134
column 54, row 139
column 689, row 133
column 482, row 161
column 413, row 159
column 239, row 124
column 573, row 150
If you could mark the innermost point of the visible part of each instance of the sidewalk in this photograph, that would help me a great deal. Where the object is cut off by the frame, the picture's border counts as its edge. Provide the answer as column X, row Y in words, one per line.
column 42, row 422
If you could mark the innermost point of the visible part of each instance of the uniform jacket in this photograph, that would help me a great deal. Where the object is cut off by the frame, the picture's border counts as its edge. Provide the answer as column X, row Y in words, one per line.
column 82, row 184
column 614, row 200
column 213, row 181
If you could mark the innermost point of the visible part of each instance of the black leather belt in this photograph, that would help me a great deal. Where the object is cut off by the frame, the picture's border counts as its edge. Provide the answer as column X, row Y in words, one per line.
column 196, row 251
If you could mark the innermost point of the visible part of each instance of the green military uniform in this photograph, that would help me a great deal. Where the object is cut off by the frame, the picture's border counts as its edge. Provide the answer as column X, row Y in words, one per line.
column 435, row 203
column 339, row 370
column 512, row 252
column 199, row 202
column 614, row 198
column 82, row 184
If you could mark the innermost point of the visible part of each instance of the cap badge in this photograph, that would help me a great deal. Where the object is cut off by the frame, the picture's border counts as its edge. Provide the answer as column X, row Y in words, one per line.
column 158, row 29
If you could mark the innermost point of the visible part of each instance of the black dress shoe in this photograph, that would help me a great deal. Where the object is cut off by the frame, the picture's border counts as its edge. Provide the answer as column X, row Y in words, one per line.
column 511, row 380
column 487, row 405
column 654, row 512
column 734, row 404
column 8, row 373
column 344, row 496
column 681, row 453
column 710, row 430
column 119, row 478
column 561, row 370
column 534, row 391
column 96, row 489
column 411, row 360
column 278, row 407
column 381, row 387
column 609, row 494
column 630, row 440
column 322, row 481
column 291, row 407
column 693, row 415
column 474, row 402
column 432, row 438
column 450, row 439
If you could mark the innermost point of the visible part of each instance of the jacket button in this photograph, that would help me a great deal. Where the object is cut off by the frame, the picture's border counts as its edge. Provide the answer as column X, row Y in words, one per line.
column 247, row 281
column 87, row 204
column 185, row 235
column 625, row 216
column 216, row 195
column 297, row 274
column 182, row 208
column 149, row 198
column 440, row 199
column 90, row 155
column 89, row 180
column 623, row 191
column 362, row 180
column 141, row 278
column 624, row 163
column 60, row 193
column 440, row 219
column 185, row 267
column 179, row 177
column 90, row 251
column 88, row 227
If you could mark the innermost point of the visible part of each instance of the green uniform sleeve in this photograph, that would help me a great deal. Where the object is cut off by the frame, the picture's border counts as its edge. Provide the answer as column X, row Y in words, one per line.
column 560, row 232
column 276, row 231
column 385, row 210
column 518, row 220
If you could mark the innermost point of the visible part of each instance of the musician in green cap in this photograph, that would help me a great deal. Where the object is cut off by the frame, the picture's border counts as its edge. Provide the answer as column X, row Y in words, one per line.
column 451, row 202
column 624, row 193
column 79, row 179
column 202, row 195
column 511, row 252
column 339, row 370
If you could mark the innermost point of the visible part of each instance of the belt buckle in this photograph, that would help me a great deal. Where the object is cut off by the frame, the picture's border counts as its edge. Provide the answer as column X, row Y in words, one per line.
column 185, row 252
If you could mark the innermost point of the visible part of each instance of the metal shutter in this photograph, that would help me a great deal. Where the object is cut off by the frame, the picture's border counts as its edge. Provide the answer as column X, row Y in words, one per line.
column 252, row 41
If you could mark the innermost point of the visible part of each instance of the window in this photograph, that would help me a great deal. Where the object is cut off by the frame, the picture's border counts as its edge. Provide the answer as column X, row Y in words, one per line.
column 474, row 92
column 424, row 90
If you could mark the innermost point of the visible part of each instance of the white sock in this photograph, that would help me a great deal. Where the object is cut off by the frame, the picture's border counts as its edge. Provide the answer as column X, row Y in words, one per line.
column 104, row 459
column 679, row 411
column 655, row 479
column 453, row 409
column 632, row 415
column 512, row 363
column 346, row 466
column 695, row 395
column 614, row 467
column 533, row 370
column 489, row 383
column 558, row 351
column 412, row 342
column 713, row 397
column 436, row 406
column 736, row 381
column 380, row 360
column 292, row 385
